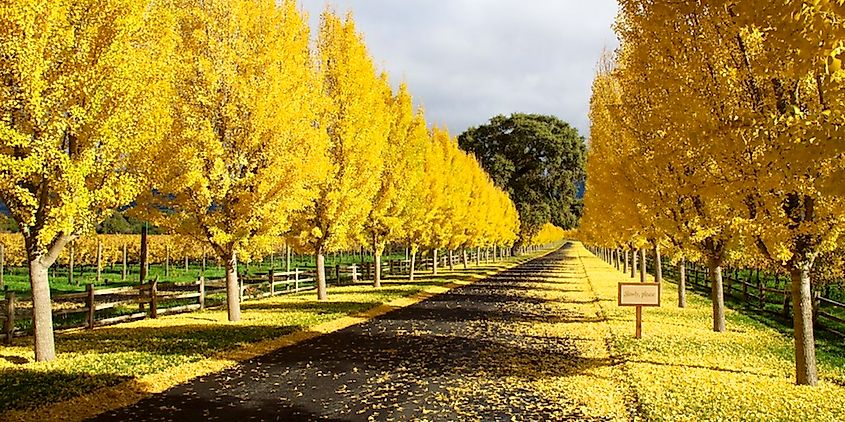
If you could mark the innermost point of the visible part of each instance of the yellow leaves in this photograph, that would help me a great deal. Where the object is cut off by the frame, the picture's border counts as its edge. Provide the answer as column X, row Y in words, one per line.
column 79, row 96
column 245, row 153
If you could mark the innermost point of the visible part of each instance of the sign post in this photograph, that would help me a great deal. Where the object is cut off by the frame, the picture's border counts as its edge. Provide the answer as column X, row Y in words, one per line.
column 639, row 295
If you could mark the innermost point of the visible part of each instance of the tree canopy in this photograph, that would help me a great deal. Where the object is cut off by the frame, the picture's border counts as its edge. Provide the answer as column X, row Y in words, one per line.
column 538, row 160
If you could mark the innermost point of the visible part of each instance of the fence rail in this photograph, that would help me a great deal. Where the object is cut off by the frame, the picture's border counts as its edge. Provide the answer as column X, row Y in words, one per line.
column 752, row 290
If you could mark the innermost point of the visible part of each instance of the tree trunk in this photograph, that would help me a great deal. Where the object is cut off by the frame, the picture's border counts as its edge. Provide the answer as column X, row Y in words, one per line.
column 451, row 261
column 802, row 316
column 413, row 262
column 233, row 288
column 287, row 257
column 466, row 260
column 39, row 263
column 634, row 254
column 682, row 284
column 658, row 265
column 717, row 296
column 625, row 263
column 642, row 265
column 478, row 256
column 42, row 318
column 322, row 294
column 378, row 251
column 434, row 262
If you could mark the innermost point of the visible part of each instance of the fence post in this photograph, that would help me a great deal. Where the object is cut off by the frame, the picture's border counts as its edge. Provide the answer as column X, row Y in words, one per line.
column 154, row 297
column 354, row 273
column 9, row 324
column 296, row 280
column 202, row 292
column 271, row 281
column 89, row 288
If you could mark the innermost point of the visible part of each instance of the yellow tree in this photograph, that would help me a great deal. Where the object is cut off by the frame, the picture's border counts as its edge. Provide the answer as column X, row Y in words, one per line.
column 790, row 69
column 81, row 95
column 401, row 175
column 357, row 121
column 244, row 152
column 438, row 172
column 420, row 205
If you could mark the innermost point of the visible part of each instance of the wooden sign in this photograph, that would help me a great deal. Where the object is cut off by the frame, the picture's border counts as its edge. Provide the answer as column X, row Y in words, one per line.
column 639, row 295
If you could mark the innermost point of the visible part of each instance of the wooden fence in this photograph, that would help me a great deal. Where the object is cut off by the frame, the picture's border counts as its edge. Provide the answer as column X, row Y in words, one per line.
column 750, row 287
column 146, row 300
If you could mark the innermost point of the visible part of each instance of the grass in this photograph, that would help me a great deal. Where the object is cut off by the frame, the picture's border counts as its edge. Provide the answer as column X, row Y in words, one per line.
column 88, row 360
column 682, row 370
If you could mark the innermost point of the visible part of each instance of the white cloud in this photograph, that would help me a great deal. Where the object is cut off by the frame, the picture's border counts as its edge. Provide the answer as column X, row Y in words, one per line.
column 467, row 60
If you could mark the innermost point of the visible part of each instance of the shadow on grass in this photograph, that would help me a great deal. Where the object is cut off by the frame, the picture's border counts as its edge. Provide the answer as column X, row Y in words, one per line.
column 186, row 340
column 707, row 367
column 27, row 389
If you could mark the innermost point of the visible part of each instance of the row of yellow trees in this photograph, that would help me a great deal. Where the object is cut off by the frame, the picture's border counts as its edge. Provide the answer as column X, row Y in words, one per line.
column 717, row 135
column 218, row 122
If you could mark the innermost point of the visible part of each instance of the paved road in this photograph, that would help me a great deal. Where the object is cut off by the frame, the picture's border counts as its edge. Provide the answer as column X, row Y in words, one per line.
column 451, row 357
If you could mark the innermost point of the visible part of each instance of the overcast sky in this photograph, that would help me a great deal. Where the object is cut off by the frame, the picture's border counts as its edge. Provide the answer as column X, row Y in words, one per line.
column 468, row 60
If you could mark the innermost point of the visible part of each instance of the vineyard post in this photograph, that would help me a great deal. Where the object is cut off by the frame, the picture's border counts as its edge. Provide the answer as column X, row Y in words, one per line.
column 2, row 263
column 99, row 260
column 142, row 277
column 125, row 253
column 70, row 263
column 9, row 324
column 89, row 303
